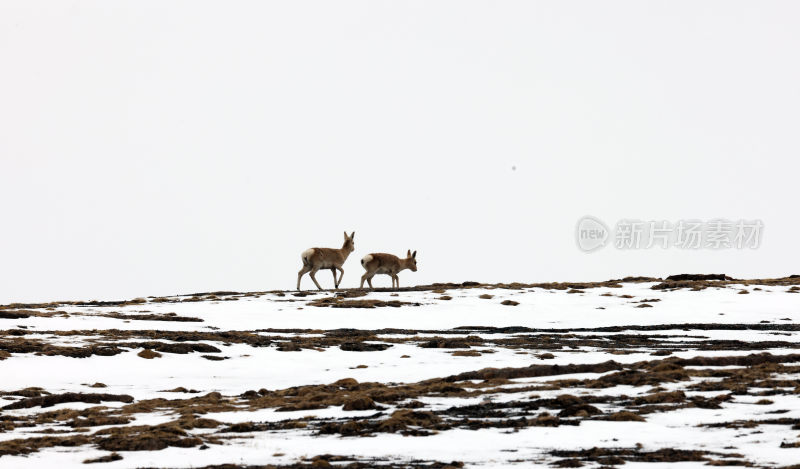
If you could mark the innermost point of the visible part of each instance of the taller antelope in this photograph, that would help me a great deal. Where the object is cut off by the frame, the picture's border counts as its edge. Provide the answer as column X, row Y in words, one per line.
column 381, row 263
column 326, row 258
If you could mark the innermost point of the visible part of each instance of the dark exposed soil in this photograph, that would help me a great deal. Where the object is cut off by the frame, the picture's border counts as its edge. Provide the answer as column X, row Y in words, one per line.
column 341, row 302
column 152, row 317
column 362, row 347
column 144, row 438
column 32, row 445
column 113, row 342
column 347, row 462
column 107, row 458
column 615, row 456
column 14, row 314
column 53, row 399
column 684, row 277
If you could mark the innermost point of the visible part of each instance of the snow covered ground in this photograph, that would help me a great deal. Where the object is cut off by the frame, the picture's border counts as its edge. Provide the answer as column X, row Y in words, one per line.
column 607, row 368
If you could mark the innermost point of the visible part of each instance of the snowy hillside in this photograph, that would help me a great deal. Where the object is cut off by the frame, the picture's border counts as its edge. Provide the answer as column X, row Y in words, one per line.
column 592, row 374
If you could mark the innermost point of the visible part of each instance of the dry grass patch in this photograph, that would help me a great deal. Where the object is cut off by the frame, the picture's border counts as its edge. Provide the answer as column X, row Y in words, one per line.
column 149, row 354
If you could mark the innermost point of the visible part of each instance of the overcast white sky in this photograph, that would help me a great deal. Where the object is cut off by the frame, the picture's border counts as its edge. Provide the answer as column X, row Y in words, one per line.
column 160, row 147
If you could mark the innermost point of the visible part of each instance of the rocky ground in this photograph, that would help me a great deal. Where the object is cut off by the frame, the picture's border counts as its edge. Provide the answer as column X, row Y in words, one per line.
column 697, row 370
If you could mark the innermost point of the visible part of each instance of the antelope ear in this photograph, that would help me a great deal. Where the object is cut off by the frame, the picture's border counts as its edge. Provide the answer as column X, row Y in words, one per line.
column 408, row 254
column 352, row 236
column 414, row 255
column 345, row 235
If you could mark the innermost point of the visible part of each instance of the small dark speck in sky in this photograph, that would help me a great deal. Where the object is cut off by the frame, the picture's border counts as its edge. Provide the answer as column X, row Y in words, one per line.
column 513, row 168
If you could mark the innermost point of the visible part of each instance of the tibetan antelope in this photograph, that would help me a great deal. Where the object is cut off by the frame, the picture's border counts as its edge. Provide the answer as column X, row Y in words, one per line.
column 326, row 258
column 380, row 263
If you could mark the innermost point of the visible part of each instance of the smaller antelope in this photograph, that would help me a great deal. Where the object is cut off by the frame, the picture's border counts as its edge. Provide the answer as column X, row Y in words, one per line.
column 381, row 263
column 326, row 258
